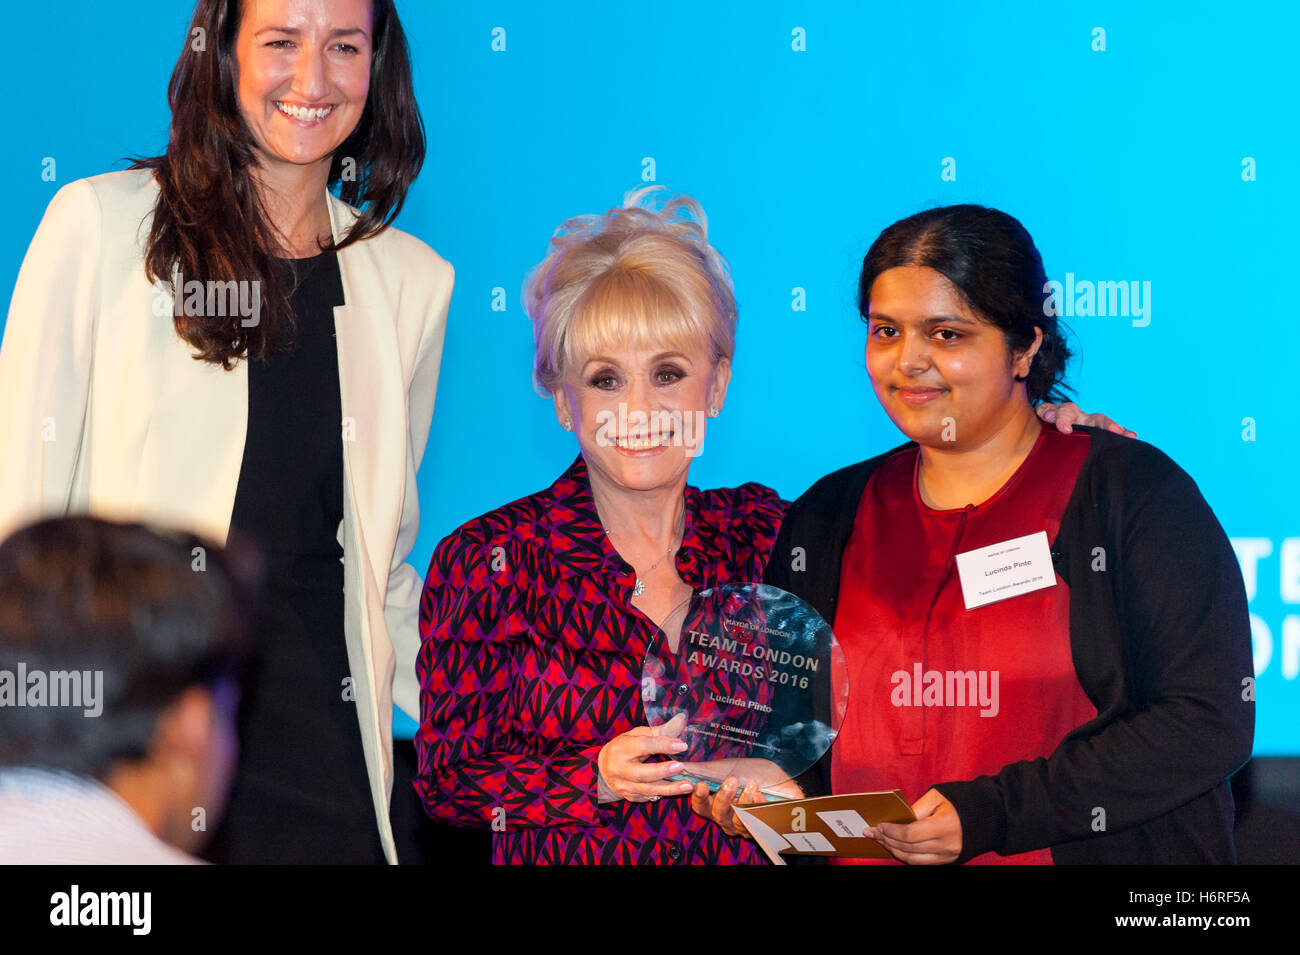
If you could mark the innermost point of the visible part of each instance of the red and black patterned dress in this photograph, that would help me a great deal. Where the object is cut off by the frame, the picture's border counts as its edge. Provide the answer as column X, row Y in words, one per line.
column 530, row 661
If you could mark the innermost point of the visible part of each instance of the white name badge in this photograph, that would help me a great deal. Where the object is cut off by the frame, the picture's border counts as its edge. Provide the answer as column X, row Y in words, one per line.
column 1008, row 569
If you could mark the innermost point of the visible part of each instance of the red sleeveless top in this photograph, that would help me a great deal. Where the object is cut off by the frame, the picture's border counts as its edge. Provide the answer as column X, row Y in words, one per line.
column 997, row 683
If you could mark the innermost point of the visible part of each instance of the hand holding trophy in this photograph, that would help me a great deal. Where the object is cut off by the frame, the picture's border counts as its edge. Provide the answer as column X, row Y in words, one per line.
column 757, row 683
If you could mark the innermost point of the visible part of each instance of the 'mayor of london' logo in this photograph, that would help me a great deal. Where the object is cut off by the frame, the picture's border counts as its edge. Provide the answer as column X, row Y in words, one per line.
column 75, row 907
column 1103, row 299
column 946, row 688
column 77, row 688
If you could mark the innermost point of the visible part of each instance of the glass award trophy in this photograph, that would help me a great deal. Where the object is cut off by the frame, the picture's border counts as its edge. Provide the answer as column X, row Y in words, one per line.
column 752, row 678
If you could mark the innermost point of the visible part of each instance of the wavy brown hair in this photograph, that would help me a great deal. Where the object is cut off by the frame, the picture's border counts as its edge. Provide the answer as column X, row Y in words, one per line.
column 210, row 222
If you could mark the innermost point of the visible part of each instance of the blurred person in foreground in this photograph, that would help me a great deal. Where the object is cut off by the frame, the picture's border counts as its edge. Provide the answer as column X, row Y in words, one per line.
column 122, row 648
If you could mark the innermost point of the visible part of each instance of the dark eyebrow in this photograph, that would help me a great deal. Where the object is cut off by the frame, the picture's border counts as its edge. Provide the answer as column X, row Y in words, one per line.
column 932, row 320
column 294, row 31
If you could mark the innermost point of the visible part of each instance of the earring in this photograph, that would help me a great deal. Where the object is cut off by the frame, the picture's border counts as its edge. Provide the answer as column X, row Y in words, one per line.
column 713, row 411
column 568, row 424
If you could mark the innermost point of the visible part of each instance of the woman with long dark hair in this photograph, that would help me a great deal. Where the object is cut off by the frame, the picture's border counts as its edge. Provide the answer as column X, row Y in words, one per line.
column 215, row 338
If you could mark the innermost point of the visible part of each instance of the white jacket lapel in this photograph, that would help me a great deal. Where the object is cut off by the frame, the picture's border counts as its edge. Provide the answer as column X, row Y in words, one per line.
column 374, row 405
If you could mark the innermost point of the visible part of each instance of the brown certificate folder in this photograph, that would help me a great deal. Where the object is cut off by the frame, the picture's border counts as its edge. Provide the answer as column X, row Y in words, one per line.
column 824, row 825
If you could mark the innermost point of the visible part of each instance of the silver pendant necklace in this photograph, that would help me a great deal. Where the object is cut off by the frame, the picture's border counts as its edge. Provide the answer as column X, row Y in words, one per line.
column 639, row 589
column 640, row 584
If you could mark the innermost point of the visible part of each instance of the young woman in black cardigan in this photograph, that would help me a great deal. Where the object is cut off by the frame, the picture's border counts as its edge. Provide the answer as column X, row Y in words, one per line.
column 1100, row 709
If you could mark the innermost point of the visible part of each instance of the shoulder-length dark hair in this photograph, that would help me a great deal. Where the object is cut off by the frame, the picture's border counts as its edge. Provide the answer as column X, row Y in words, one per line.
column 209, row 221
column 992, row 262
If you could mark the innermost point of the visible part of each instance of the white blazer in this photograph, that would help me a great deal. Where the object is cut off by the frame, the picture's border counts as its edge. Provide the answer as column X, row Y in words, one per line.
column 103, row 410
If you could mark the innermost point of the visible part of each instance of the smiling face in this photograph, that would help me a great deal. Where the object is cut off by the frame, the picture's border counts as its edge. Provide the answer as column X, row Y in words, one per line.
column 639, row 413
column 303, row 74
column 944, row 375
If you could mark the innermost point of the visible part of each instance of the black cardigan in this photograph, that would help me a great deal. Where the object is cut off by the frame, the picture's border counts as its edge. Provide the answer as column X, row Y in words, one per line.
column 1160, row 640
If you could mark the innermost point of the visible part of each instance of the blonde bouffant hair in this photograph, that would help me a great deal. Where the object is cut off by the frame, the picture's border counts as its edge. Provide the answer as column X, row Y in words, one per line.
column 642, row 275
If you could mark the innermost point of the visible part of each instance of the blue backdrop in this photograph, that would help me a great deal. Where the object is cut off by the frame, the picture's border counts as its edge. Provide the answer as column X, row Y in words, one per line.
column 1149, row 143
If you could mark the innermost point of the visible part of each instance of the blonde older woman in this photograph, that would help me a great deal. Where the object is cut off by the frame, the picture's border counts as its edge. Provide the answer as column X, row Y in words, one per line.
column 536, row 617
